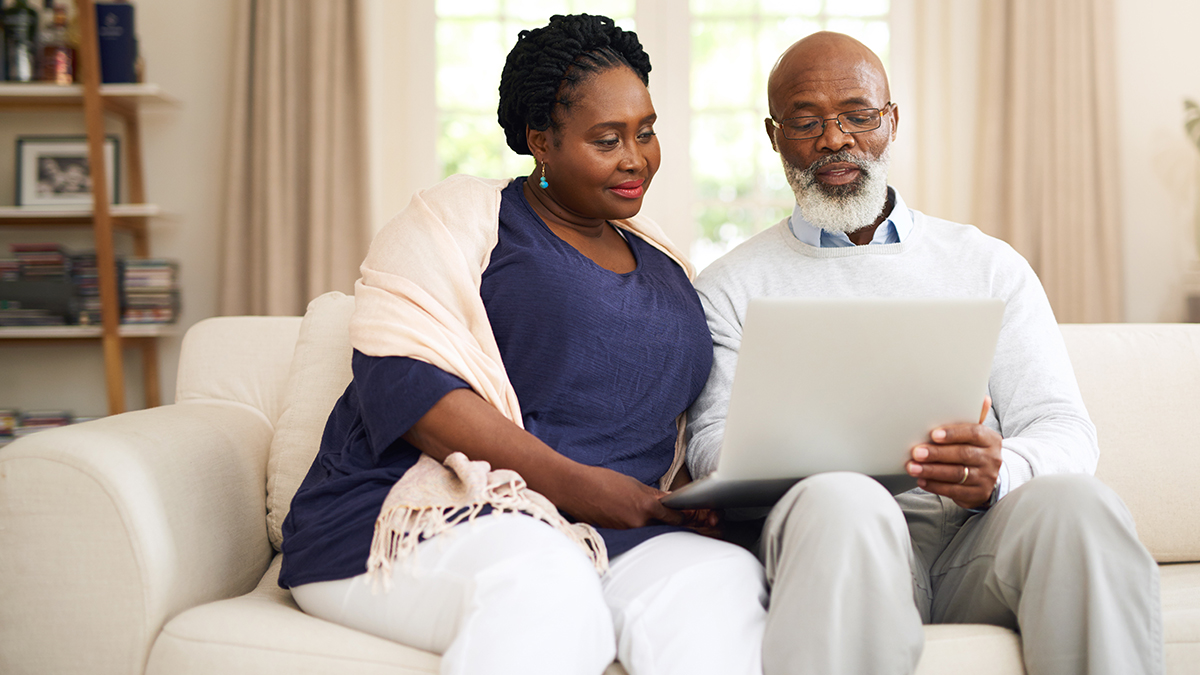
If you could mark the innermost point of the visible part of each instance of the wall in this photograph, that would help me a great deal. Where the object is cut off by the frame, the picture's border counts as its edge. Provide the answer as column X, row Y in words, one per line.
column 1158, row 66
column 187, row 47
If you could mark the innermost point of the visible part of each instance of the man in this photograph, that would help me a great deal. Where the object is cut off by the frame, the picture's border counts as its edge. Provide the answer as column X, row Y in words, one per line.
column 1008, row 527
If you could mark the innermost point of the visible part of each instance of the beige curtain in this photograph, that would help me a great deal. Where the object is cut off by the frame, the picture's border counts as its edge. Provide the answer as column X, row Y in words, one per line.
column 295, row 220
column 1047, row 180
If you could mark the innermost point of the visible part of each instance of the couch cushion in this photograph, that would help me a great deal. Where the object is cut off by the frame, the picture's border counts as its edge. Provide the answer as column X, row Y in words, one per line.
column 1181, row 616
column 238, row 358
column 1141, row 385
column 319, row 374
column 265, row 632
column 990, row 650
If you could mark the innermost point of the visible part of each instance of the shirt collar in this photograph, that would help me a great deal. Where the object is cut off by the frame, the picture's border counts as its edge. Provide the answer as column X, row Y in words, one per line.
column 891, row 231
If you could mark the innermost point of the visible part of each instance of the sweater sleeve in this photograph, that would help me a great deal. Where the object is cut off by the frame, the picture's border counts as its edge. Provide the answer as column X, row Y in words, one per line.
column 706, row 416
column 1036, row 404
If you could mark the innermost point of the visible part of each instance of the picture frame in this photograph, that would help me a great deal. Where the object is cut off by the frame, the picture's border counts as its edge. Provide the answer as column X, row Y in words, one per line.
column 53, row 170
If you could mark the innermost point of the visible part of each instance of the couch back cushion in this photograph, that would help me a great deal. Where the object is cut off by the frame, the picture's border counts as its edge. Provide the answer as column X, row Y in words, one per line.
column 245, row 359
column 319, row 374
column 1141, row 385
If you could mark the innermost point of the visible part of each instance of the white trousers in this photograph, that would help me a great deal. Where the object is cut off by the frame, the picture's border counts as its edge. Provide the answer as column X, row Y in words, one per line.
column 508, row 594
column 854, row 574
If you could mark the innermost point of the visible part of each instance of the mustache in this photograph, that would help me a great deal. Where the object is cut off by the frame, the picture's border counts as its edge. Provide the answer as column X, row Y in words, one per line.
column 810, row 174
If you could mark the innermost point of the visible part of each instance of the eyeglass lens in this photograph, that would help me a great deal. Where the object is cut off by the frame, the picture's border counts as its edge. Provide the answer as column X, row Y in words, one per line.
column 852, row 122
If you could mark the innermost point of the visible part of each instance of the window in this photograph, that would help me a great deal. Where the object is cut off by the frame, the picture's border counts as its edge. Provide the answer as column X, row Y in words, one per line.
column 735, row 187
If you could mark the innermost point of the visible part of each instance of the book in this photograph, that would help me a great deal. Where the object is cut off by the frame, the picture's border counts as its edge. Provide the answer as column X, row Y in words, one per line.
column 117, row 42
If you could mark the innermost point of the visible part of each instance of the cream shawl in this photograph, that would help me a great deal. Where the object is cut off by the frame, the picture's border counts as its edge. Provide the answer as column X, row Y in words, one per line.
column 419, row 297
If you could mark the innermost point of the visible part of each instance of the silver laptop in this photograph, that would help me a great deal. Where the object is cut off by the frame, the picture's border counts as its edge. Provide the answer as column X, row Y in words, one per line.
column 845, row 384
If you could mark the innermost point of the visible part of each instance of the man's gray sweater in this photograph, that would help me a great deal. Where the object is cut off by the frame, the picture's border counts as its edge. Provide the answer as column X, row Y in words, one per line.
column 1036, row 405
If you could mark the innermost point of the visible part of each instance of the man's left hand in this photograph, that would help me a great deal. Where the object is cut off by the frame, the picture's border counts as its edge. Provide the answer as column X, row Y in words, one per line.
column 961, row 461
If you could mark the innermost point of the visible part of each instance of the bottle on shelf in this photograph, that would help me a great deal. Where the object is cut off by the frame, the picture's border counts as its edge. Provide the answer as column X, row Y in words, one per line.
column 20, row 38
column 58, row 55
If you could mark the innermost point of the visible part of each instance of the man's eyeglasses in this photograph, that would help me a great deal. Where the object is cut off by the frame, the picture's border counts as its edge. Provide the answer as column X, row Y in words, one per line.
column 852, row 122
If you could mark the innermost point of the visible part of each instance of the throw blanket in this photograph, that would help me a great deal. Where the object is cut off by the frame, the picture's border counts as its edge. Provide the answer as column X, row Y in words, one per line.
column 419, row 297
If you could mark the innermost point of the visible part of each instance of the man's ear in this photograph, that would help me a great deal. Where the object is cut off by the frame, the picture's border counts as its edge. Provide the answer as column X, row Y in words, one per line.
column 539, row 141
column 771, row 133
column 895, row 113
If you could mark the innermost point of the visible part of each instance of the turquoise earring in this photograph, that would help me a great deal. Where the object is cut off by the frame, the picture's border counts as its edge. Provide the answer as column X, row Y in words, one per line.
column 542, row 183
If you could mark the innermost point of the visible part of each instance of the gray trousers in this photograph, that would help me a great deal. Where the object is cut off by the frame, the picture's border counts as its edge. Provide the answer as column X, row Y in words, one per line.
column 855, row 572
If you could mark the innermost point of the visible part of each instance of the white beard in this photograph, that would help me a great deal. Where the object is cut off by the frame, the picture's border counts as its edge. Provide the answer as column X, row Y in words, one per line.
column 841, row 208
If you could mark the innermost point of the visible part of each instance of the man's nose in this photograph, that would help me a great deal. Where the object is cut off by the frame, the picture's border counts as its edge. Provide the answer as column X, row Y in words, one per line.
column 833, row 139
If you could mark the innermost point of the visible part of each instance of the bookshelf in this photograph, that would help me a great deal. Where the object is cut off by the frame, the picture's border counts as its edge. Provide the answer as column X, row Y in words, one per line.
column 97, row 101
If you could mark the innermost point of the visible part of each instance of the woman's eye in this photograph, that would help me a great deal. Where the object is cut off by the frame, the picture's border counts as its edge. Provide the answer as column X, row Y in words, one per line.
column 608, row 142
column 646, row 135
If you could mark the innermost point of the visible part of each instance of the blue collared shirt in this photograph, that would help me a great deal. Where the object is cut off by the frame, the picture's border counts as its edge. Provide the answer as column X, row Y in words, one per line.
column 891, row 231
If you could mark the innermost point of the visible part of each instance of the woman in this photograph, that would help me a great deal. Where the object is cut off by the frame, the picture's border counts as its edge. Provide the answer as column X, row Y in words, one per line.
column 534, row 326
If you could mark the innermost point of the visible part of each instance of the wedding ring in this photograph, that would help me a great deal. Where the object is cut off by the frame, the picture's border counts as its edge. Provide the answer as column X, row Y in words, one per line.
column 966, row 474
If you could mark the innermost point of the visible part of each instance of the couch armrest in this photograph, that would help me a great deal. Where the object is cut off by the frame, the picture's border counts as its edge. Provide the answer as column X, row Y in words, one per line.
column 110, row 528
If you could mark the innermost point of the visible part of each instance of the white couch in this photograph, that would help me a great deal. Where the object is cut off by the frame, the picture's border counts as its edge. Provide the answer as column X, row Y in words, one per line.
column 146, row 542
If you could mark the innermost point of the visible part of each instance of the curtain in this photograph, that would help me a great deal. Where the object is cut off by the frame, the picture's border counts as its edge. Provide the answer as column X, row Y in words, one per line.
column 1047, row 180
column 295, row 218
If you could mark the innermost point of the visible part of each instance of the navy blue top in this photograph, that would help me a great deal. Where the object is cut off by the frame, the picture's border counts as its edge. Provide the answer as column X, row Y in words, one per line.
column 602, row 364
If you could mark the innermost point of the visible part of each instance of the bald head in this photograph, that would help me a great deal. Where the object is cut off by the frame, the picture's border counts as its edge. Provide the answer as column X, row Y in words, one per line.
column 820, row 61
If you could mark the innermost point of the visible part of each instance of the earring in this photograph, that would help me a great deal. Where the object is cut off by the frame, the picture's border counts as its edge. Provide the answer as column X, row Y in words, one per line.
column 542, row 183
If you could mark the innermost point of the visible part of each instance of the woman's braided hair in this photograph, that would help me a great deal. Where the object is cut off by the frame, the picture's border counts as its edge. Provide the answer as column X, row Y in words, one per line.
column 547, row 64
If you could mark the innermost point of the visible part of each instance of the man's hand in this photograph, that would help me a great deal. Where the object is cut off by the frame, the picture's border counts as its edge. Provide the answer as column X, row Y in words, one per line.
column 961, row 461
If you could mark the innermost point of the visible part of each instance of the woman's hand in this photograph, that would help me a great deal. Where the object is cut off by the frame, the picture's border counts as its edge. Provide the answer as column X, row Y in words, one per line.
column 463, row 422
column 606, row 498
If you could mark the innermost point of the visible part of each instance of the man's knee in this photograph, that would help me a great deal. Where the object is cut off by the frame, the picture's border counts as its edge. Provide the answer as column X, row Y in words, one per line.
column 832, row 514
column 838, row 498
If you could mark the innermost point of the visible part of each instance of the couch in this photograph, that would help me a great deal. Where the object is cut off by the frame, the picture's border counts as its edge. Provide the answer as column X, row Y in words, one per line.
column 146, row 541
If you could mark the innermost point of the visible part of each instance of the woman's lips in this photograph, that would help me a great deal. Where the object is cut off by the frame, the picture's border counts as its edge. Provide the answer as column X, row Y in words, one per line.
column 630, row 190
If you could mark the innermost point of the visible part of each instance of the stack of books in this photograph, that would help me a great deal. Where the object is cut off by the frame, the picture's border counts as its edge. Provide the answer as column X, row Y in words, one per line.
column 15, row 424
column 149, row 291
column 35, row 288
column 43, row 285
column 41, row 262
column 86, row 280
column 10, row 269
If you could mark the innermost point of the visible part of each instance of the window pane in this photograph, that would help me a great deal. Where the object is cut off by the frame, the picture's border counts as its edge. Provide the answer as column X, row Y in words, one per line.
column 791, row 7
column 856, row 7
column 540, row 11
column 723, row 64
column 467, row 7
column 723, row 7
column 470, row 57
column 723, row 154
column 474, row 144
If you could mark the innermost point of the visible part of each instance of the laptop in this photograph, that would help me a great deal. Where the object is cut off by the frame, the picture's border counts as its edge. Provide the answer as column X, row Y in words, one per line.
column 844, row 384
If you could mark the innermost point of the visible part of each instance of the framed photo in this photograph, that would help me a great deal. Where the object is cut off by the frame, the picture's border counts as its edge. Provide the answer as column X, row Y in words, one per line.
column 54, row 170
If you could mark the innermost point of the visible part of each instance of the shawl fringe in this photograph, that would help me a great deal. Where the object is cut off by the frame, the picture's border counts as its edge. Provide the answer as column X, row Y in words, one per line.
column 402, row 525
